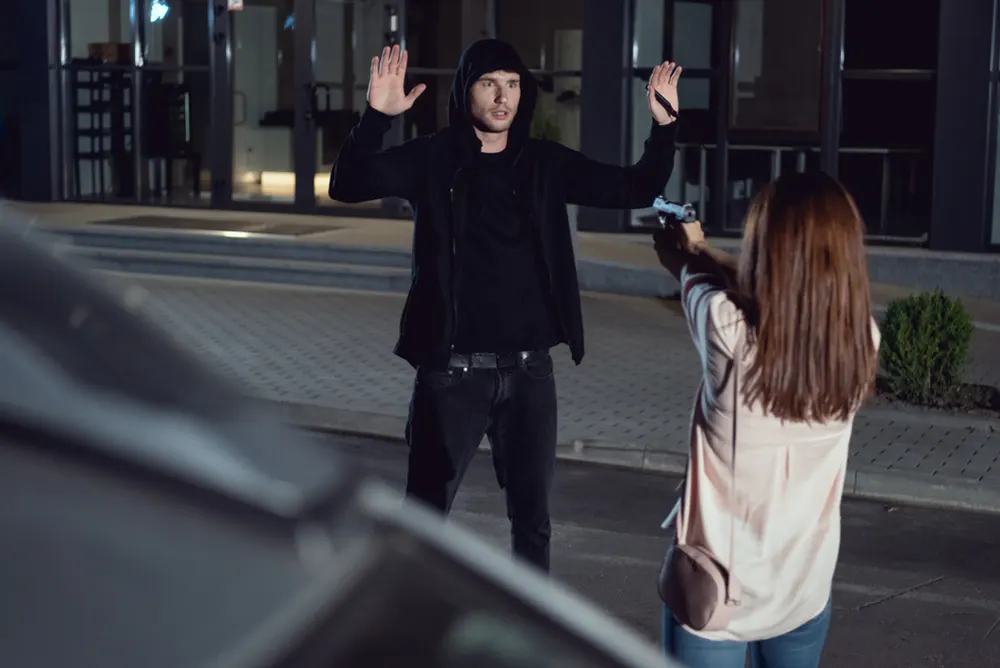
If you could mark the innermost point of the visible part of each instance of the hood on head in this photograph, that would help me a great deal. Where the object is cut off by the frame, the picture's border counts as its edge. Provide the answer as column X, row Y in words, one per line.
column 482, row 57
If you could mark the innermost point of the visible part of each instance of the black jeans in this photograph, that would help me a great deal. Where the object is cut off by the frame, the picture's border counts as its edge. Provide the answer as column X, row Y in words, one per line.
column 450, row 412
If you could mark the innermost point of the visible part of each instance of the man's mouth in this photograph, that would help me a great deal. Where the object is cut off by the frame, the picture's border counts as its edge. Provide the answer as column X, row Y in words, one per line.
column 500, row 114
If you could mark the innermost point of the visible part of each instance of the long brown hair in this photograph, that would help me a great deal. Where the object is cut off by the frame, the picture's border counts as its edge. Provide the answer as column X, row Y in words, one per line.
column 803, row 284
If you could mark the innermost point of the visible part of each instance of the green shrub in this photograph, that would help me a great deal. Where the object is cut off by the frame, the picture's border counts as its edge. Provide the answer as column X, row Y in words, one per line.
column 544, row 126
column 925, row 345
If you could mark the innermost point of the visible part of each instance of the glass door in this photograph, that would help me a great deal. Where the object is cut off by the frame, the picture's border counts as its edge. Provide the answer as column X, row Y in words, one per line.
column 348, row 34
column 271, row 118
column 135, row 93
column 299, row 77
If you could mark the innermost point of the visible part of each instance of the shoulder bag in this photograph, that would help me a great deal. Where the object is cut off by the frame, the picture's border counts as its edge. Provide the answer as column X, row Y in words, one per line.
column 700, row 591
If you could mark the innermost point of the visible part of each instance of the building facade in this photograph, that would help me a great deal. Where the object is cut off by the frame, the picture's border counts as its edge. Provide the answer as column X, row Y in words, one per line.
column 244, row 103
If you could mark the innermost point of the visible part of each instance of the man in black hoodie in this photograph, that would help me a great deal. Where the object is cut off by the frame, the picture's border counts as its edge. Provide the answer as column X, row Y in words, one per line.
column 494, row 283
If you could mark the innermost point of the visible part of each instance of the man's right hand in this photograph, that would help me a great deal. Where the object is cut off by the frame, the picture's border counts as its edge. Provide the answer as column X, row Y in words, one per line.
column 385, row 83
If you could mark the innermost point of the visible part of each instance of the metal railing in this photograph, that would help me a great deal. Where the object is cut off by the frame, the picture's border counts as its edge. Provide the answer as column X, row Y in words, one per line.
column 800, row 152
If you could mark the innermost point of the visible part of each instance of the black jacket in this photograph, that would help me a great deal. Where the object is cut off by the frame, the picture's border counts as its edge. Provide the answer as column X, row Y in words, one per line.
column 428, row 171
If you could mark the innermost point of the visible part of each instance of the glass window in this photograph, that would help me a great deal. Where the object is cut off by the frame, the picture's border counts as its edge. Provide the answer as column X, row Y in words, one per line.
column 776, row 69
column 642, row 118
column 690, row 26
column 430, row 113
column 172, row 114
column 433, row 36
column 692, row 42
column 532, row 27
column 99, row 100
column 892, row 187
column 9, row 15
column 97, row 28
column 889, row 113
column 885, row 154
column 549, row 37
column 10, row 134
column 559, row 98
column 995, row 228
column 867, row 25
column 692, row 34
column 557, row 116
column 695, row 94
column 647, row 33
column 175, row 100
column 263, row 56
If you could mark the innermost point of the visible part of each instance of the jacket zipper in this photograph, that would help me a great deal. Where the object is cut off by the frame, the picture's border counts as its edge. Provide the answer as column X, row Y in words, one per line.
column 548, row 270
column 454, row 262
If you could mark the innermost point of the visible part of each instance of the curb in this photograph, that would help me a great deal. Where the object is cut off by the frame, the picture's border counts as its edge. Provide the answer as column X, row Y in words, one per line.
column 392, row 427
column 917, row 416
column 896, row 487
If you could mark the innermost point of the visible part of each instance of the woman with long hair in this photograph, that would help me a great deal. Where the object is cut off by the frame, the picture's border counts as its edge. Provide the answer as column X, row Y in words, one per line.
column 789, row 351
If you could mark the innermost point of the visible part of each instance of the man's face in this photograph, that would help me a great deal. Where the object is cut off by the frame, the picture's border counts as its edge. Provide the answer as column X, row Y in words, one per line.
column 493, row 100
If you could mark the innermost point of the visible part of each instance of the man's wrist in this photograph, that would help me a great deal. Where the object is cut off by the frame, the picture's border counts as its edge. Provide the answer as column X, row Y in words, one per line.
column 375, row 119
column 378, row 113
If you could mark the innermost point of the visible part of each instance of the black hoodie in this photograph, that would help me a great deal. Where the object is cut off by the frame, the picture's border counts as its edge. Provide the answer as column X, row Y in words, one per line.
column 502, row 296
column 431, row 172
column 483, row 57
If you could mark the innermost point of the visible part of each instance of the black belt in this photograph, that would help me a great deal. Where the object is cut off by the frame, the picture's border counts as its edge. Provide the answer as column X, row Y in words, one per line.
column 494, row 360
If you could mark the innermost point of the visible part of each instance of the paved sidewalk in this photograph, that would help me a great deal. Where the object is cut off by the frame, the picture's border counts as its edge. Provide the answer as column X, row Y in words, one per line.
column 326, row 357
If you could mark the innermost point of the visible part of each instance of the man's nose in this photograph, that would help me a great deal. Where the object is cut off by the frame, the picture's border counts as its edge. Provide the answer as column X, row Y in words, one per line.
column 502, row 96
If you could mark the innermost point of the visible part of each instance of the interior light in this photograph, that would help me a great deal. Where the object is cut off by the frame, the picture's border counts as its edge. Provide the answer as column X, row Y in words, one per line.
column 158, row 10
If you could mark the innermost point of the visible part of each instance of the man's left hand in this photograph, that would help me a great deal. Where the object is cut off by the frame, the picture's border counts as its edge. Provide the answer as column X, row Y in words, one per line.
column 664, row 80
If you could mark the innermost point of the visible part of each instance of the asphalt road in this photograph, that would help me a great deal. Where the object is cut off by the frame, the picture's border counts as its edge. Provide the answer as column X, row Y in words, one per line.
column 915, row 587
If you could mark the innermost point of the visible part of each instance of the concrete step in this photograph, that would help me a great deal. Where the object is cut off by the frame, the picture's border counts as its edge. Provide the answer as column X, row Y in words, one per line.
column 263, row 258
column 248, row 269
column 260, row 246
column 278, row 260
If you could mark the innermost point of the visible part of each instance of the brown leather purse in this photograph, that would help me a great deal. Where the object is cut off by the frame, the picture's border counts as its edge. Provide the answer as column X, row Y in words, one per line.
column 700, row 591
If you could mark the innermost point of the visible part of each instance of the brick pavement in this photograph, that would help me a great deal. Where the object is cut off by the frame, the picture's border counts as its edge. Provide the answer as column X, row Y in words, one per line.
column 333, row 349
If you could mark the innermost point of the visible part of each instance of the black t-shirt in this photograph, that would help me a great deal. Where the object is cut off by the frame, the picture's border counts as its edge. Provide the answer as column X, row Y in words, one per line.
column 503, row 298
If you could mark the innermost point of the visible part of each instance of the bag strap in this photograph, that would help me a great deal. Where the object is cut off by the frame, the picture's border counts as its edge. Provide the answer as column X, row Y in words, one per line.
column 732, row 591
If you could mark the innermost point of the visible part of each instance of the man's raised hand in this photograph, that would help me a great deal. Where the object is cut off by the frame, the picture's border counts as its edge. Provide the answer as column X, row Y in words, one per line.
column 663, row 80
column 385, row 83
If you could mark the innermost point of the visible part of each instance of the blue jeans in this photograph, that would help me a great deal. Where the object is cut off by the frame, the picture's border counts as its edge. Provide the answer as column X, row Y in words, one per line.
column 799, row 648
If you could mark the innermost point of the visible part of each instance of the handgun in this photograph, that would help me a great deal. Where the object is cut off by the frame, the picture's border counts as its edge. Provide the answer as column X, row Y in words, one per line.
column 671, row 213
